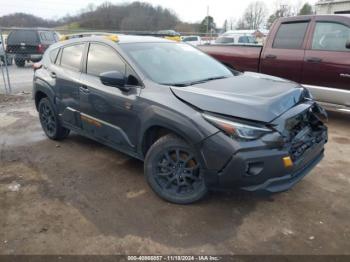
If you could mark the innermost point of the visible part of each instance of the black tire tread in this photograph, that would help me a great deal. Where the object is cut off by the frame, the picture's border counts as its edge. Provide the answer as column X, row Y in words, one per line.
column 61, row 132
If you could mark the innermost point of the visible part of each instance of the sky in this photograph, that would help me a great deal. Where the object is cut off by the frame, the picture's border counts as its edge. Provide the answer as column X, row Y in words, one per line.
column 187, row 10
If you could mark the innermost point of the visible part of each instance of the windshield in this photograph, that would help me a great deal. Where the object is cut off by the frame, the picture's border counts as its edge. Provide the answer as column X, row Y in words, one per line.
column 225, row 40
column 174, row 63
column 190, row 39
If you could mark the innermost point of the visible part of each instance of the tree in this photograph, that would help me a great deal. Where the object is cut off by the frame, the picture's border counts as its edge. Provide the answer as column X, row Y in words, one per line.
column 207, row 24
column 187, row 27
column 306, row 10
column 25, row 20
column 254, row 16
column 224, row 27
column 283, row 11
column 241, row 24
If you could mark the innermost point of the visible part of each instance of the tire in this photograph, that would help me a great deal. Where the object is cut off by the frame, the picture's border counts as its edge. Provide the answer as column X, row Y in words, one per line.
column 173, row 171
column 20, row 62
column 49, row 121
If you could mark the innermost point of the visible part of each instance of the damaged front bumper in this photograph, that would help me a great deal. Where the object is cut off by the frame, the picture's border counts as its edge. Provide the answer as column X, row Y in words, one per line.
column 261, row 165
column 279, row 184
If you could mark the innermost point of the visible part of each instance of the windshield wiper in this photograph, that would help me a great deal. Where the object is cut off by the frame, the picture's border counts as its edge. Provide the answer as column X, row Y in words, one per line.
column 195, row 82
column 207, row 80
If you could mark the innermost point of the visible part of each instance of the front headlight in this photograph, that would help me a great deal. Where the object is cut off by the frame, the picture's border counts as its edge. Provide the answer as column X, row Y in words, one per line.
column 238, row 130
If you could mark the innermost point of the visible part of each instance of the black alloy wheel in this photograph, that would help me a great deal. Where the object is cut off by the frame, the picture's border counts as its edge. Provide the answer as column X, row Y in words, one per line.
column 49, row 121
column 173, row 171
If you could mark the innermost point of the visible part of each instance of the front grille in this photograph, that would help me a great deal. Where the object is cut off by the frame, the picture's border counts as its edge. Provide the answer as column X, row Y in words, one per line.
column 305, row 130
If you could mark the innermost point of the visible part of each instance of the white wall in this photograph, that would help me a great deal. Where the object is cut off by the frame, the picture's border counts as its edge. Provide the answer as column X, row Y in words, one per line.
column 332, row 8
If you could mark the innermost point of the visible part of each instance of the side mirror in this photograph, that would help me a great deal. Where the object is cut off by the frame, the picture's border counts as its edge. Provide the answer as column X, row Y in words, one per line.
column 347, row 45
column 115, row 79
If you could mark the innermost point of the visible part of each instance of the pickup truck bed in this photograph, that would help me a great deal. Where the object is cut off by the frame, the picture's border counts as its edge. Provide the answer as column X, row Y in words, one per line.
column 311, row 50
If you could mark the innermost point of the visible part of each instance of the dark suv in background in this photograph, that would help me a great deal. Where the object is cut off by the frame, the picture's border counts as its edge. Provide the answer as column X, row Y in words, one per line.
column 29, row 44
column 196, row 124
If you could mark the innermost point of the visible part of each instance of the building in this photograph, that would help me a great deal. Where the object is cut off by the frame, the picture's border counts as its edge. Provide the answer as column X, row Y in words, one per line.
column 324, row 7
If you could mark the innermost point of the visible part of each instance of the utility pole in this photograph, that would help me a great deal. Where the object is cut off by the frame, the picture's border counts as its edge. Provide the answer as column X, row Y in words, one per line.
column 207, row 19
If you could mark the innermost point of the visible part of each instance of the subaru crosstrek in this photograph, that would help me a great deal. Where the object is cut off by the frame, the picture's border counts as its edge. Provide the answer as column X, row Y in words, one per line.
column 196, row 124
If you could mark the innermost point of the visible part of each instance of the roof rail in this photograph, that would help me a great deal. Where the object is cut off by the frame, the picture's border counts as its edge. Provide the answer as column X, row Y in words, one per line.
column 112, row 37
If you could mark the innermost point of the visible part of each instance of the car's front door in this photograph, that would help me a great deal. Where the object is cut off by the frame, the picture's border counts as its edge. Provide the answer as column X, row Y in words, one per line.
column 107, row 112
column 327, row 61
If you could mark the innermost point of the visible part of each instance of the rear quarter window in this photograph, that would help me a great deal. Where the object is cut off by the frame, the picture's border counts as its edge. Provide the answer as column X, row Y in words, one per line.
column 47, row 36
column 23, row 36
column 290, row 35
column 53, row 55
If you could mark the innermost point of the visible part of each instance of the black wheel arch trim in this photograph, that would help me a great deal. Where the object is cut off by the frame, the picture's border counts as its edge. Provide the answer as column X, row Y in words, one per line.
column 43, row 87
column 179, row 125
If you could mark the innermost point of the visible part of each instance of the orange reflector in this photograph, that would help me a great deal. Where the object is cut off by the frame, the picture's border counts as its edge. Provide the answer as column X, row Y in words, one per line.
column 288, row 162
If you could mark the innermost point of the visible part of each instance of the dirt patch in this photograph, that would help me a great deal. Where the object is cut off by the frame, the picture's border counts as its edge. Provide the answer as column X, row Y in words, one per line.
column 342, row 140
column 12, row 98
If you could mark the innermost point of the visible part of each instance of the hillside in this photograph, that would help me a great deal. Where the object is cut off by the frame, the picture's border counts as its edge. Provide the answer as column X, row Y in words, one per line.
column 136, row 16
column 25, row 20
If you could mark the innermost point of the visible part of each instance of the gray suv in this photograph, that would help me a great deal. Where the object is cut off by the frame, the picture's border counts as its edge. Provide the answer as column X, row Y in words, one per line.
column 196, row 124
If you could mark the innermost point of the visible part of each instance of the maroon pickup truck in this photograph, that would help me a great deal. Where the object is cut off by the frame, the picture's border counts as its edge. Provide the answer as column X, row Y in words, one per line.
column 312, row 50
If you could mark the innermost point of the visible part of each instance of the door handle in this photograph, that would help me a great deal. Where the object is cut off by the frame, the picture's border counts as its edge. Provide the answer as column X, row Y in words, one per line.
column 270, row 56
column 345, row 75
column 84, row 89
column 53, row 75
column 313, row 60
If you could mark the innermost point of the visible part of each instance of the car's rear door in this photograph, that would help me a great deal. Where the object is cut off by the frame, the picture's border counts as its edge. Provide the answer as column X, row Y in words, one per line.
column 67, row 72
column 283, row 55
column 327, row 60
column 108, row 113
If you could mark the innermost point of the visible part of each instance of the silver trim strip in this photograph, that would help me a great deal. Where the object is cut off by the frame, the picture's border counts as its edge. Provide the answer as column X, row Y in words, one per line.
column 330, row 95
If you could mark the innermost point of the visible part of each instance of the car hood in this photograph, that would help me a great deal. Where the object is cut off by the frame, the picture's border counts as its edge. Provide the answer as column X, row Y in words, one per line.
column 250, row 96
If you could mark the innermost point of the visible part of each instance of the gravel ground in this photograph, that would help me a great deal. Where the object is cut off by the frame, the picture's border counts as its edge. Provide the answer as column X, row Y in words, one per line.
column 79, row 197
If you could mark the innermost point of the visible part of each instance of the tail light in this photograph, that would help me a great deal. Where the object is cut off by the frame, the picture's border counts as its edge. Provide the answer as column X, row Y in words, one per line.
column 37, row 66
column 40, row 48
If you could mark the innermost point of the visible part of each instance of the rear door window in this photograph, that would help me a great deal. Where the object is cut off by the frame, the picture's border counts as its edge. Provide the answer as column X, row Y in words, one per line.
column 71, row 57
column 23, row 36
column 290, row 35
column 102, row 58
column 330, row 36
